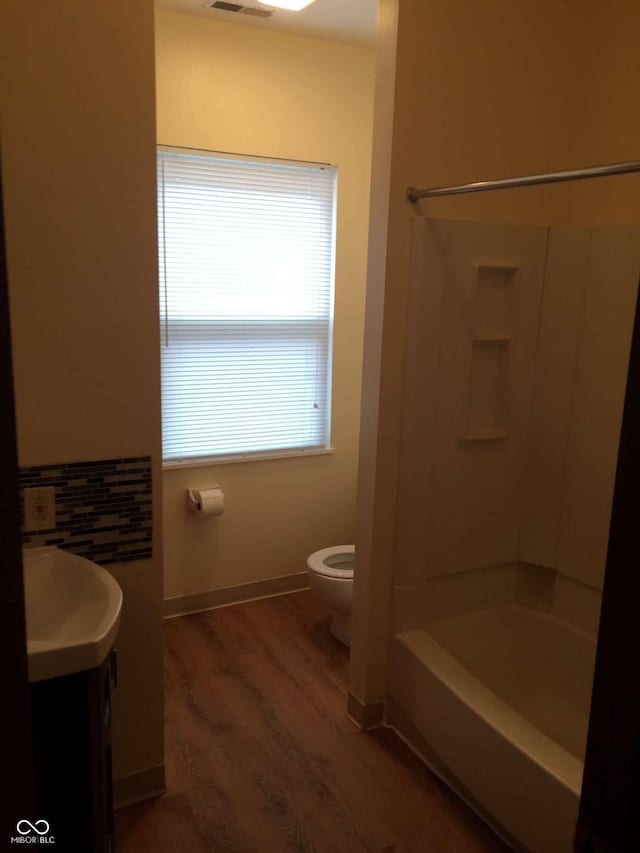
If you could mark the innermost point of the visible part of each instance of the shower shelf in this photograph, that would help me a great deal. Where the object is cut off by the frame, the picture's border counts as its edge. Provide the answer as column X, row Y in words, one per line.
column 484, row 435
column 491, row 339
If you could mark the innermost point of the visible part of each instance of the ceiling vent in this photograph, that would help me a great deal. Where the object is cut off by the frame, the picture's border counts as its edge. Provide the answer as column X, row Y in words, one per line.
column 241, row 8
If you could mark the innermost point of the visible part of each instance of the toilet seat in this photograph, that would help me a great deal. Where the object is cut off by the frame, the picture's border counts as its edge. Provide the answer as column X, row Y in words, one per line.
column 317, row 562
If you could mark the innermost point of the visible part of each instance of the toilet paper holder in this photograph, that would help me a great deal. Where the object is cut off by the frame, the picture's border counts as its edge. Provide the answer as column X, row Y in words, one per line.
column 194, row 495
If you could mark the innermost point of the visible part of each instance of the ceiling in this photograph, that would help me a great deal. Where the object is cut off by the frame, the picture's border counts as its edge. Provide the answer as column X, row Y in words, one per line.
column 345, row 20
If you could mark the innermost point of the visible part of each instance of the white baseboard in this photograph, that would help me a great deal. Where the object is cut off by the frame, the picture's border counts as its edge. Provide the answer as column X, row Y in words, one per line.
column 135, row 787
column 196, row 603
column 365, row 716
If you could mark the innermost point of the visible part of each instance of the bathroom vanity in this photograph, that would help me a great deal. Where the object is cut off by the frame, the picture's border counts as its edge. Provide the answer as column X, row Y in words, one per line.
column 73, row 609
column 71, row 718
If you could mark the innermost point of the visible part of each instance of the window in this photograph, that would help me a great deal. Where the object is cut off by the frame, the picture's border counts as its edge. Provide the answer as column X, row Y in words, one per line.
column 246, row 304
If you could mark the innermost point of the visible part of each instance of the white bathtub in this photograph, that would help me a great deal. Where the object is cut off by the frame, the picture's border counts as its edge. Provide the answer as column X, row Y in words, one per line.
column 501, row 697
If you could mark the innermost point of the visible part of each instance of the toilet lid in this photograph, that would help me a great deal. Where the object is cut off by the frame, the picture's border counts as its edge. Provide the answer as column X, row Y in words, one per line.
column 335, row 562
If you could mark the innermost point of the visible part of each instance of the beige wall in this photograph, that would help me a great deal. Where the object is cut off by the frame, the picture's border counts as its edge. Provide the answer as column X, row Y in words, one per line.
column 513, row 88
column 242, row 89
column 79, row 191
column 372, row 587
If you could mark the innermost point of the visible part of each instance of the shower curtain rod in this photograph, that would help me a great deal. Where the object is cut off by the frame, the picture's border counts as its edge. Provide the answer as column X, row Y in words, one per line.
column 414, row 195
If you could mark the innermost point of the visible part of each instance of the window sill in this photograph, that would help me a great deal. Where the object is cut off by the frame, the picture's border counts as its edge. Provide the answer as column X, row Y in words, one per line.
column 232, row 460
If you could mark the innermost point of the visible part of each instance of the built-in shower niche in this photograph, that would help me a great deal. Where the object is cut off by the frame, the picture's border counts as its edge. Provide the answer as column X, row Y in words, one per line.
column 490, row 342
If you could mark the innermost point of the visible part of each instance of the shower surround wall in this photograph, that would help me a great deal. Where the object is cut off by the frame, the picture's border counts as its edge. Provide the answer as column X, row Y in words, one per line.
column 520, row 510
column 587, row 316
column 472, row 322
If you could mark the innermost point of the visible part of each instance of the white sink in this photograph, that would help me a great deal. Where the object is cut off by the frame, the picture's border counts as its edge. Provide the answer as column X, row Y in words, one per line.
column 73, row 612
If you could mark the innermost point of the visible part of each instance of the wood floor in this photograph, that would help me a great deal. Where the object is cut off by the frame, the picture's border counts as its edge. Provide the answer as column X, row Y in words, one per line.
column 261, row 757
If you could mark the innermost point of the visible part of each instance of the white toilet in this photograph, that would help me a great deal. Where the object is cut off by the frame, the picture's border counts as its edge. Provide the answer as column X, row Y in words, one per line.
column 331, row 575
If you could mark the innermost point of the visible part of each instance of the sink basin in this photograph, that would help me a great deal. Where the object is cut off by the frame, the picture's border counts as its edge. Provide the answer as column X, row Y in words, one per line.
column 73, row 611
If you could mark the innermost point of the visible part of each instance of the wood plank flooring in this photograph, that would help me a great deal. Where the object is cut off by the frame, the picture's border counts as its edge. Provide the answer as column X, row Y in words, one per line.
column 261, row 757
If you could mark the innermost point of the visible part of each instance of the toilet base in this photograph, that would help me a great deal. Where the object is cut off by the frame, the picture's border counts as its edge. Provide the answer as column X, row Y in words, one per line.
column 341, row 627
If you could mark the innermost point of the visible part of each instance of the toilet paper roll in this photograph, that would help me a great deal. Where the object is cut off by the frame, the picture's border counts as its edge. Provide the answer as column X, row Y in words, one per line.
column 206, row 503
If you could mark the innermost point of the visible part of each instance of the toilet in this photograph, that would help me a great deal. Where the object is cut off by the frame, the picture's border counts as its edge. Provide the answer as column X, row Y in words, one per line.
column 331, row 576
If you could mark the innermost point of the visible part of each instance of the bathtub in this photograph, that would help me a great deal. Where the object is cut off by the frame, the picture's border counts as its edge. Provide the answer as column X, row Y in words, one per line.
column 500, row 699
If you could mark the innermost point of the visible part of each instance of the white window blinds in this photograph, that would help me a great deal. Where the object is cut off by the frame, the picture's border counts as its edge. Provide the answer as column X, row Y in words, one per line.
column 246, row 302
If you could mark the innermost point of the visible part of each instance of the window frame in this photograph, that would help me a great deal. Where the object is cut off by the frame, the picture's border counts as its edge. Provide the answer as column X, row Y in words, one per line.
column 327, row 448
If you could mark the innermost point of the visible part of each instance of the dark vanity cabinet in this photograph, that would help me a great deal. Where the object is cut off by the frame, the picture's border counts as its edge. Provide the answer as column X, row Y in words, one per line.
column 72, row 744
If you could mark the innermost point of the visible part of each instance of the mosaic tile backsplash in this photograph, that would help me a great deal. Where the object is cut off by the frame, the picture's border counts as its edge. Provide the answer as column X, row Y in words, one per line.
column 103, row 509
